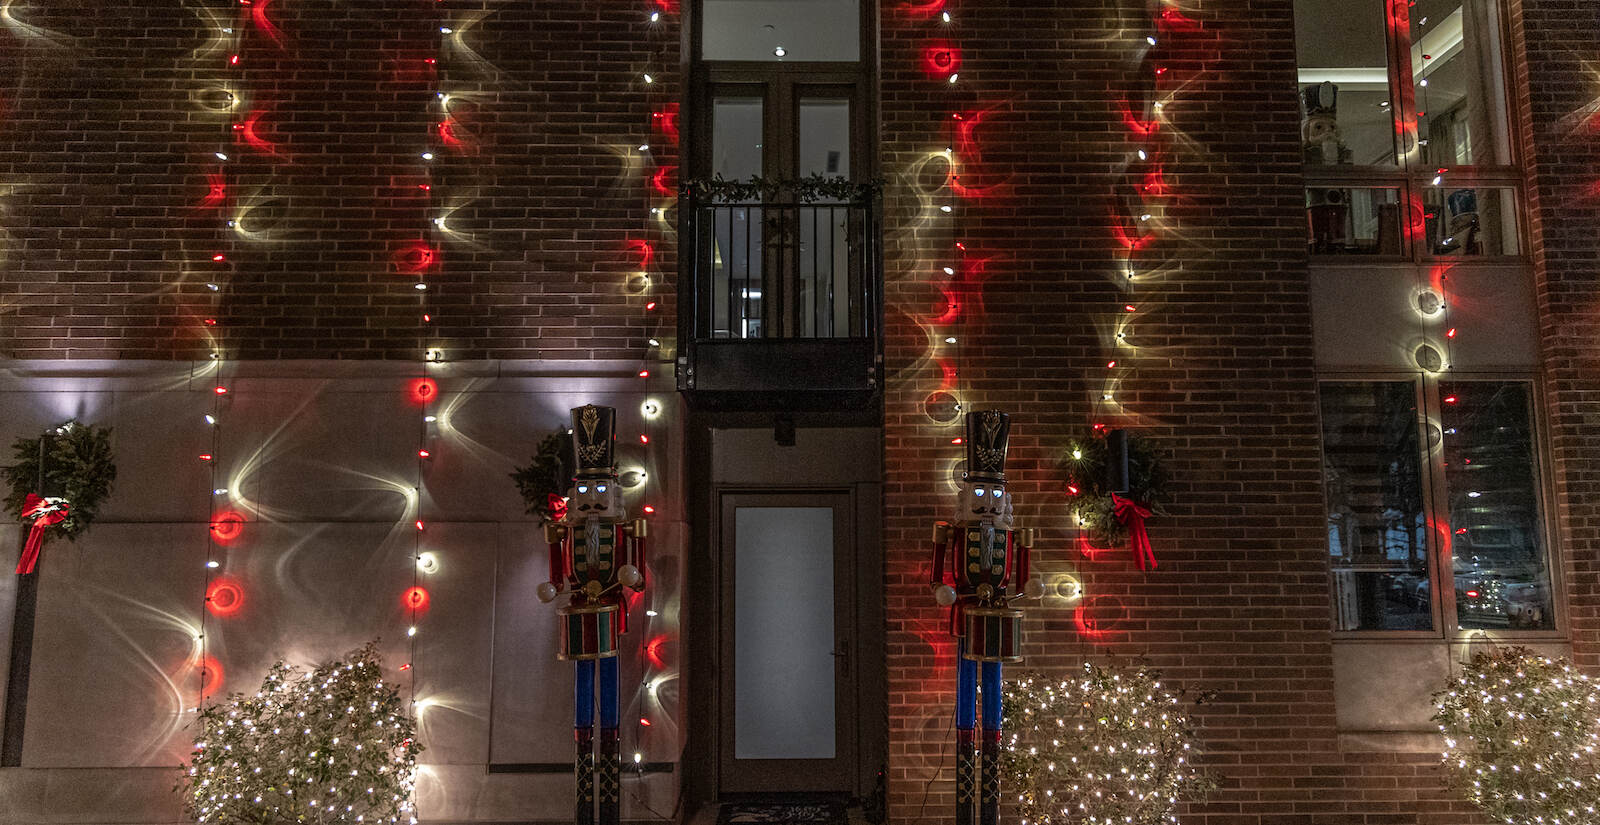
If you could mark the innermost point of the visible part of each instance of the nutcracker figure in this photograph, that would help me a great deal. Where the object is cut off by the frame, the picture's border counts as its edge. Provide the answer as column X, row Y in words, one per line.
column 974, row 558
column 595, row 551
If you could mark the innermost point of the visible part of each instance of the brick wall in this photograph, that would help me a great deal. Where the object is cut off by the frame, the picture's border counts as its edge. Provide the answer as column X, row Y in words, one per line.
column 1220, row 370
column 1561, row 128
column 112, row 112
column 105, row 153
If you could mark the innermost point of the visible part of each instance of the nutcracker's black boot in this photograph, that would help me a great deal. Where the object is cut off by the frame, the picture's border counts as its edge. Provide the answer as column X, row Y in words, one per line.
column 608, row 776
column 989, row 799
column 584, row 766
column 966, row 776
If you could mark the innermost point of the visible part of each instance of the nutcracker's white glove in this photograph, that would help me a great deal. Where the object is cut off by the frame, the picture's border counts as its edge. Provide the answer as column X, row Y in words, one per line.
column 945, row 595
column 1033, row 588
column 546, row 592
column 629, row 575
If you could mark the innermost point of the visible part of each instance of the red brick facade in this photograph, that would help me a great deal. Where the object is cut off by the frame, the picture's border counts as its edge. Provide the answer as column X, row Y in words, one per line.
column 104, row 157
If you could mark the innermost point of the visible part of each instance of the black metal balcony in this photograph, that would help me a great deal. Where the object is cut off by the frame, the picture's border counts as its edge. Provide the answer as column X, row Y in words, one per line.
column 780, row 302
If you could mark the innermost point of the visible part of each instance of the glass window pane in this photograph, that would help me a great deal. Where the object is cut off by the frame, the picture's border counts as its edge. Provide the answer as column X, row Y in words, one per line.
column 1459, row 89
column 783, row 684
column 1476, row 221
column 823, row 260
column 737, row 246
column 1372, row 470
column 1343, row 54
column 1496, row 536
column 827, row 30
column 1352, row 221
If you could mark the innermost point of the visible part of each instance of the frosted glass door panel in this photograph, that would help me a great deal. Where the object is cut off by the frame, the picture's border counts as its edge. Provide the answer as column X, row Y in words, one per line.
column 783, row 633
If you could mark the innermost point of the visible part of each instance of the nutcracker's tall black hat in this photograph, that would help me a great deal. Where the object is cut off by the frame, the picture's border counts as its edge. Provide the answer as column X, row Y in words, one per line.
column 988, row 432
column 594, row 441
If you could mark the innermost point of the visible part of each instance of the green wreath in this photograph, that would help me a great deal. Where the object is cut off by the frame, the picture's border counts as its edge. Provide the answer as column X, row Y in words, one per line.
column 1090, row 494
column 78, row 467
column 544, row 482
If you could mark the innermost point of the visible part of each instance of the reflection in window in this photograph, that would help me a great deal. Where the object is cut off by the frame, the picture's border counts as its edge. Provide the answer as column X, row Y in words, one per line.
column 1373, row 474
column 1475, row 221
column 1346, row 111
column 1501, row 576
column 1352, row 221
column 1459, row 91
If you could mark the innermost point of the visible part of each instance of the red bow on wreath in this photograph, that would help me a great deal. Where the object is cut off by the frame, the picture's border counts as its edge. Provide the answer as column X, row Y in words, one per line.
column 46, row 513
column 556, row 505
column 1132, row 515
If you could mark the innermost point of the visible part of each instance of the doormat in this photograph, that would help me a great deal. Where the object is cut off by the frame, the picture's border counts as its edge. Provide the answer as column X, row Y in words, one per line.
column 820, row 813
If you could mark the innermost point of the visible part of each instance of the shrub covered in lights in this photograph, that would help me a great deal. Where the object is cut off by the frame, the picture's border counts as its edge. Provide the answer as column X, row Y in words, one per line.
column 333, row 744
column 1109, row 745
column 1521, row 737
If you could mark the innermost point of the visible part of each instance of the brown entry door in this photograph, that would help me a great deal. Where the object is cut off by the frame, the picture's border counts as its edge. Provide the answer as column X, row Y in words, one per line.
column 786, row 701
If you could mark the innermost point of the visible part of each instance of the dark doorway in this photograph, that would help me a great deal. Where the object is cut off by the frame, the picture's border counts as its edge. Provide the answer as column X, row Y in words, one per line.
column 786, row 617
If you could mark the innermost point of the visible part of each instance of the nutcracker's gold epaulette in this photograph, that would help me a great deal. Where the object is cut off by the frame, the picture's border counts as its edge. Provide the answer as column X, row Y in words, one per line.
column 553, row 532
column 637, row 528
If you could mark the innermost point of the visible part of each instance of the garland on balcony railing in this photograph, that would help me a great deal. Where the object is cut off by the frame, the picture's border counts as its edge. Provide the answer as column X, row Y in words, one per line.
column 810, row 189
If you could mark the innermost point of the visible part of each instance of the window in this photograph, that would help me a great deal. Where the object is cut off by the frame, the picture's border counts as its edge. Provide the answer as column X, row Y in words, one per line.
column 1405, row 129
column 1433, row 506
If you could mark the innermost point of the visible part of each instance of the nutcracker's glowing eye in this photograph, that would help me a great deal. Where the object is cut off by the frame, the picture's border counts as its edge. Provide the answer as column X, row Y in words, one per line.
column 978, row 492
column 583, row 488
column 600, row 488
column 996, row 493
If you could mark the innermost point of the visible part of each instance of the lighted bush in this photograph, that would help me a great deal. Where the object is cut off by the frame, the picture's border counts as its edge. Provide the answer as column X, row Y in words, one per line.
column 1521, row 732
column 334, row 744
column 1109, row 746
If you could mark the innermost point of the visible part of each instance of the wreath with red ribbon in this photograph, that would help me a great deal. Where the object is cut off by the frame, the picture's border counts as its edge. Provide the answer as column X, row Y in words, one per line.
column 1110, row 517
column 72, row 465
column 544, row 482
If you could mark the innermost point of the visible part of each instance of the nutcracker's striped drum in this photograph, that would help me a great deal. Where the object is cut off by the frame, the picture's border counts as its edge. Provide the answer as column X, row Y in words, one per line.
column 993, row 634
column 588, row 631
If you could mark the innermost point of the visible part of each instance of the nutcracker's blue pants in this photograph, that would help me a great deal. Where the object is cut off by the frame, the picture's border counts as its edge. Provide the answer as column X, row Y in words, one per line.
column 583, row 698
column 967, row 692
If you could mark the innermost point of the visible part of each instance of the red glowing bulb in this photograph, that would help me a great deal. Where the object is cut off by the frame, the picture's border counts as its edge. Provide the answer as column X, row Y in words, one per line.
column 1129, row 307
column 224, row 597
column 424, row 454
column 1111, row 365
column 644, row 439
column 648, row 509
column 644, row 721
column 406, row 666
column 218, row 257
column 415, row 599
column 419, row 524
column 957, row 440
column 222, row 390
column 205, row 456
column 210, row 322
column 644, row 373
column 1451, row 333
column 1072, row 489
column 1450, row 399
column 650, row 306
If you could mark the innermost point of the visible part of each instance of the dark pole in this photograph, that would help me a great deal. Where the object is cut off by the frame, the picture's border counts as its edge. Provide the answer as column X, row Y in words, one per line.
column 22, row 640
column 1118, row 471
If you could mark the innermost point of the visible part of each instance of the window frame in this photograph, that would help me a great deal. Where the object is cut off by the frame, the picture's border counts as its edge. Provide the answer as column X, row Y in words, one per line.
column 783, row 81
column 1408, row 175
column 1436, row 506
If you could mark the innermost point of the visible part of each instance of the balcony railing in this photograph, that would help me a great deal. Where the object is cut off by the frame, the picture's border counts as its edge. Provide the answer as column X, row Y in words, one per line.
column 779, row 295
